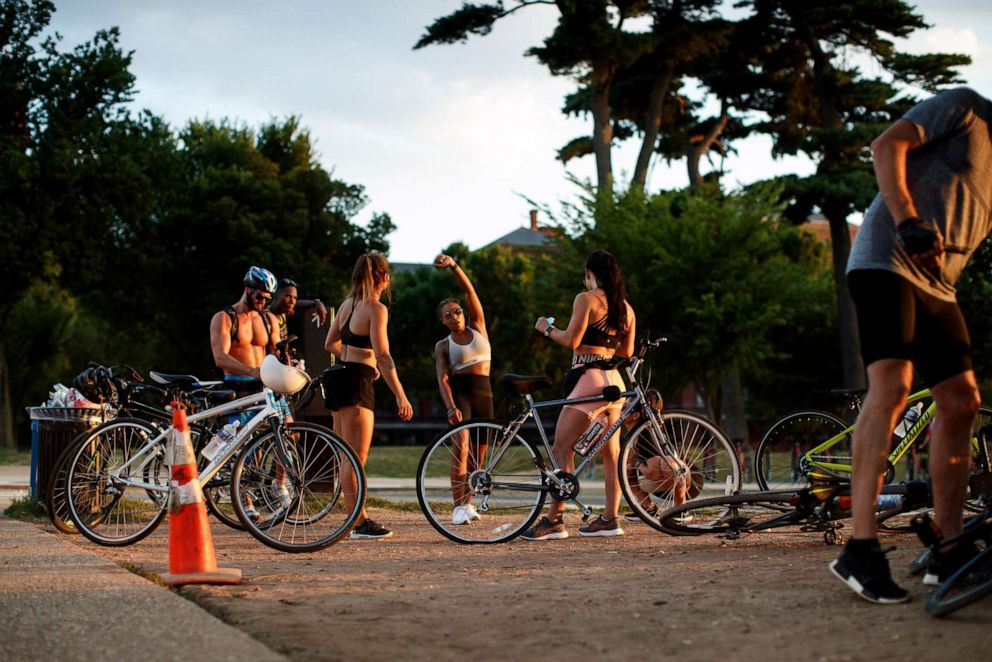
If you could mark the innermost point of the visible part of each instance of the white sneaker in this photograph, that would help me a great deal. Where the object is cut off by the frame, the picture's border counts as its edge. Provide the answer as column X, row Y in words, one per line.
column 472, row 512
column 282, row 495
column 460, row 515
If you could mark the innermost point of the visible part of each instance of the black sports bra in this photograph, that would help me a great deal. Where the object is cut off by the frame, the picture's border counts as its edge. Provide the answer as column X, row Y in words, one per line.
column 599, row 335
column 353, row 339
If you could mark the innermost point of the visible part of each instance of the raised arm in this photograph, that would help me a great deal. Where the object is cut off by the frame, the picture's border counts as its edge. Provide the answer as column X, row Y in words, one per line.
column 476, row 317
column 318, row 308
column 384, row 361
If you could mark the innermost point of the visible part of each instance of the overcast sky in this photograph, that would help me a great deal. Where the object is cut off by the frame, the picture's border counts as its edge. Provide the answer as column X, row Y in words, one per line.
column 445, row 139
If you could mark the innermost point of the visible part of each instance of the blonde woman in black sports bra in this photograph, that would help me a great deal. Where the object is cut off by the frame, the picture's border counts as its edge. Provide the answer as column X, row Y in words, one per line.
column 467, row 392
column 358, row 339
column 602, row 326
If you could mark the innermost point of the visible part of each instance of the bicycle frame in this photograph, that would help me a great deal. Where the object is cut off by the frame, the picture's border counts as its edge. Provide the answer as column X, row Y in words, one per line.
column 897, row 453
column 270, row 405
column 634, row 397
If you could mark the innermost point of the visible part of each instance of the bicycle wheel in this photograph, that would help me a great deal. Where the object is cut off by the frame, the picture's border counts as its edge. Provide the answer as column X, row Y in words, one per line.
column 969, row 584
column 103, row 502
column 56, row 504
column 217, row 494
column 300, row 508
column 777, row 460
column 476, row 463
column 756, row 511
column 689, row 441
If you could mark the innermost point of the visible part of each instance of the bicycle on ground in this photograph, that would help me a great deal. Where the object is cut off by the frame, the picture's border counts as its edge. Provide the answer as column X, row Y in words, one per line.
column 513, row 478
column 286, row 484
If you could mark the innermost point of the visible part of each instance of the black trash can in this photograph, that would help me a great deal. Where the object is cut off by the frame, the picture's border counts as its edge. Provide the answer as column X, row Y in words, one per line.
column 52, row 430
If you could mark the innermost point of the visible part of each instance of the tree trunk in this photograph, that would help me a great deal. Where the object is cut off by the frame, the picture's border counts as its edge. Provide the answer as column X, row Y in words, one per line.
column 700, row 145
column 652, row 125
column 850, row 347
column 7, row 439
column 602, row 133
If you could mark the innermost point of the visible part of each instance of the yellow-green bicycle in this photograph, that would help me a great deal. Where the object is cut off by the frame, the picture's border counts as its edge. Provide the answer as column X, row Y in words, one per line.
column 804, row 441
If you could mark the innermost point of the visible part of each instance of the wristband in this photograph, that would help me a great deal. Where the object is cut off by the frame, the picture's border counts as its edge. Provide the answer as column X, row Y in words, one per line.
column 548, row 329
column 916, row 235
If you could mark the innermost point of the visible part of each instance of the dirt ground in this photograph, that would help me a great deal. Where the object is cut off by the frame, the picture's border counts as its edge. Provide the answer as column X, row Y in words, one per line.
column 420, row 597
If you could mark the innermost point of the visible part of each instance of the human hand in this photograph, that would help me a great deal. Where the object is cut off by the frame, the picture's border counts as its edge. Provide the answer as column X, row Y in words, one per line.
column 922, row 242
column 454, row 416
column 443, row 261
column 543, row 324
column 376, row 375
column 320, row 312
column 404, row 409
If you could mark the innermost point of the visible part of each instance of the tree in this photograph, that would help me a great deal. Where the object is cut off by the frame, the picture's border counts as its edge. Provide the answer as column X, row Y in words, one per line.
column 819, row 103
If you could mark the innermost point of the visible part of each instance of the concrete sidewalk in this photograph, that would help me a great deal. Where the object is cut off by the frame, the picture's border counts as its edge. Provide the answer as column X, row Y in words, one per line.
column 62, row 602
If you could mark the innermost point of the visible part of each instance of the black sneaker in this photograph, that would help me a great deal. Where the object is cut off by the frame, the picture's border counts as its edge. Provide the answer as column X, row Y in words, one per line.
column 546, row 529
column 943, row 565
column 370, row 530
column 634, row 517
column 868, row 575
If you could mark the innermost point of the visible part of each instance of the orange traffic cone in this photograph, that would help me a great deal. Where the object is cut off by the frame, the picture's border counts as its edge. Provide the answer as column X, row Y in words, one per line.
column 192, row 559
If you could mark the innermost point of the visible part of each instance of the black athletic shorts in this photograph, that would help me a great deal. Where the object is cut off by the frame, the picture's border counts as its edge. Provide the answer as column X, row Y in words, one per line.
column 898, row 321
column 473, row 395
column 349, row 384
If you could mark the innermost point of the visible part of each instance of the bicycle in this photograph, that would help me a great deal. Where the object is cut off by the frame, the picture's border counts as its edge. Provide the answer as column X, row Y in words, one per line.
column 513, row 480
column 120, row 387
column 805, row 440
column 973, row 581
column 818, row 507
column 286, row 482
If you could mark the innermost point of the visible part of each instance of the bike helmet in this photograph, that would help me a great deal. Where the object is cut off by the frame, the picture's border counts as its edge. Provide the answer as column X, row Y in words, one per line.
column 260, row 279
column 282, row 378
column 95, row 385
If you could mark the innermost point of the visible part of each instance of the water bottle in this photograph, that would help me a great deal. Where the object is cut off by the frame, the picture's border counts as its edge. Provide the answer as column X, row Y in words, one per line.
column 906, row 424
column 221, row 440
column 888, row 502
column 588, row 438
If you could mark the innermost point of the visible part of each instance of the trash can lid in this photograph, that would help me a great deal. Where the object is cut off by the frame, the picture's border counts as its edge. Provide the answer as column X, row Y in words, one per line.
column 91, row 415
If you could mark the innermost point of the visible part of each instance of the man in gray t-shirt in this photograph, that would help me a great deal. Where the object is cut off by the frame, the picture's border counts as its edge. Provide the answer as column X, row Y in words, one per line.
column 934, row 208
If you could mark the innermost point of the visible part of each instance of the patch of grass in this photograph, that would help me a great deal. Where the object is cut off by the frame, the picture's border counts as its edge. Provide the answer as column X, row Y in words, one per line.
column 27, row 510
column 393, row 461
column 401, row 506
column 10, row 456
column 153, row 577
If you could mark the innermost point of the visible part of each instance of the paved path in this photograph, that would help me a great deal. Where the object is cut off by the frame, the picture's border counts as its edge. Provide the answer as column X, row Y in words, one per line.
column 63, row 602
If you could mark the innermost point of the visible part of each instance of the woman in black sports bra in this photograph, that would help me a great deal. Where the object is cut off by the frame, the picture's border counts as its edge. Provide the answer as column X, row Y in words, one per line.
column 358, row 339
column 601, row 327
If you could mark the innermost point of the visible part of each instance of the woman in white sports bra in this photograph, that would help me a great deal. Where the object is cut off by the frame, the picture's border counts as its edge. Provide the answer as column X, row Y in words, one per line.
column 462, row 360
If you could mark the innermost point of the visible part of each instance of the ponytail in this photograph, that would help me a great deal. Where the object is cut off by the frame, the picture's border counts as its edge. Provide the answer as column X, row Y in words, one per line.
column 604, row 267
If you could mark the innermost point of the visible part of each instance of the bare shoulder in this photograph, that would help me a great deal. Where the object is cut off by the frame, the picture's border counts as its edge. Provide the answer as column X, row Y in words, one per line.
column 441, row 347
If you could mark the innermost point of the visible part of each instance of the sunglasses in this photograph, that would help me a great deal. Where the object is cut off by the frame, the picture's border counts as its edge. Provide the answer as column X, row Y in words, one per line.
column 288, row 282
column 261, row 296
column 455, row 312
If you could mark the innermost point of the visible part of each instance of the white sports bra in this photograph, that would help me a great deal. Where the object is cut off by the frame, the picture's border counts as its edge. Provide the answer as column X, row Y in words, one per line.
column 462, row 356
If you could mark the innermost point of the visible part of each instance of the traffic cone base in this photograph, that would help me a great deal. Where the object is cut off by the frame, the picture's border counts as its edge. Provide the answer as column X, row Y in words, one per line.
column 192, row 559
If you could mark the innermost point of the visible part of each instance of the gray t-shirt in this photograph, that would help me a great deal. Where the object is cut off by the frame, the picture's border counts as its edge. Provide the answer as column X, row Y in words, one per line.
column 950, row 179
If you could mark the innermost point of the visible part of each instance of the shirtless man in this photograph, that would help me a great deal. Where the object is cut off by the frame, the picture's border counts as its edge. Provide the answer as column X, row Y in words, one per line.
column 241, row 335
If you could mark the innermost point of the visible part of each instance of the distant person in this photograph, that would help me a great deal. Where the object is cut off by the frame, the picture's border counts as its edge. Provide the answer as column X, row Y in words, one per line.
column 933, row 169
column 285, row 303
column 601, row 326
column 462, row 362
column 358, row 339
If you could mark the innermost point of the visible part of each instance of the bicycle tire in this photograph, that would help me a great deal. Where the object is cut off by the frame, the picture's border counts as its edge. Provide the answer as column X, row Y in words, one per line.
column 217, row 495
column 99, row 509
column 762, row 510
column 789, row 438
column 56, row 505
column 506, row 508
column 315, row 516
column 713, row 462
column 972, row 582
